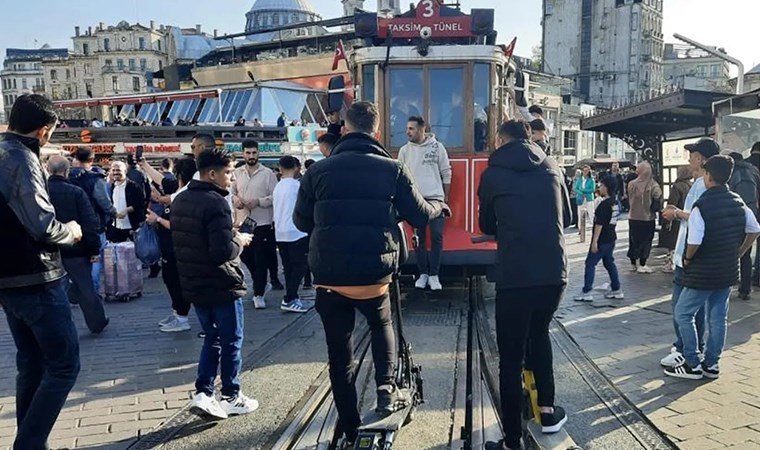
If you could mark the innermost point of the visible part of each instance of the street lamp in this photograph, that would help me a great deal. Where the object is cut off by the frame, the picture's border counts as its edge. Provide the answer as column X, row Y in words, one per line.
column 721, row 55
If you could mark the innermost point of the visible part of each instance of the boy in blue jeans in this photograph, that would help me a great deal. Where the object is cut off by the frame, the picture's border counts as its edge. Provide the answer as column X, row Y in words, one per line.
column 603, row 246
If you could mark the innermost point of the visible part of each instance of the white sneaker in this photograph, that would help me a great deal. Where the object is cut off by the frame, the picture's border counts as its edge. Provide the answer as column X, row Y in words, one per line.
column 617, row 295
column 259, row 302
column 645, row 269
column 422, row 281
column 207, row 405
column 601, row 303
column 434, row 283
column 634, row 268
column 176, row 326
column 167, row 320
column 584, row 297
column 239, row 405
column 295, row 306
column 673, row 359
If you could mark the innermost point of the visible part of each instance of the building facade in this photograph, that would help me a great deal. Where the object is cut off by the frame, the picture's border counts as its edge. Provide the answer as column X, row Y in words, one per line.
column 108, row 61
column 23, row 72
column 388, row 8
column 691, row 68
column 269, row 14
column 611, row 49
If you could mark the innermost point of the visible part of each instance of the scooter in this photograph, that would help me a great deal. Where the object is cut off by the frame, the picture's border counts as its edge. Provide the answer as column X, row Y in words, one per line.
column 378, row 430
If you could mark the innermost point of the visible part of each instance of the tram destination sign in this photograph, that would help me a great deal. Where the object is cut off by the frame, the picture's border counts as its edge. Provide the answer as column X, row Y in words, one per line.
column 428, row 22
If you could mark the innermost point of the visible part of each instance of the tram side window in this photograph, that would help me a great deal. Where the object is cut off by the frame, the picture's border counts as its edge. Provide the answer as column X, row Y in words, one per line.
column 368, row 82
column 406, row 100
column 481, row 83
column 447, row 106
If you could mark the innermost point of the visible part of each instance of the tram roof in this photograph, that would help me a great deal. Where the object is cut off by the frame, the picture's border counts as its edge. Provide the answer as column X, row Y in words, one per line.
column 676, row 115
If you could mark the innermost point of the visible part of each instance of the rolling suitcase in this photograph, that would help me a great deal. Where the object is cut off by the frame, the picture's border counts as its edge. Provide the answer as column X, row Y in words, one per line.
column 123, row 277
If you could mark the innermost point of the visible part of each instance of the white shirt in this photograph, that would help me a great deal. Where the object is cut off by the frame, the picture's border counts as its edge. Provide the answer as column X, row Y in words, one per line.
column 697, row 225
column 696, row 191
column 284, row 202
column 120, row 203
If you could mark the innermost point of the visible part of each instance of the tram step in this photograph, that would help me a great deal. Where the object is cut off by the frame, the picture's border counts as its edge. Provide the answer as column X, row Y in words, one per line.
column 557, row 441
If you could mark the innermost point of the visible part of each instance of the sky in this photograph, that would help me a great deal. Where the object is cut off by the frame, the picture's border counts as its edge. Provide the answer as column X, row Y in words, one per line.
column 53, row 21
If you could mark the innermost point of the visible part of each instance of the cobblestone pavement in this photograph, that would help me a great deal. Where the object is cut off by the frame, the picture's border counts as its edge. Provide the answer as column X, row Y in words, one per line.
column 133, row 376
column 627, row 343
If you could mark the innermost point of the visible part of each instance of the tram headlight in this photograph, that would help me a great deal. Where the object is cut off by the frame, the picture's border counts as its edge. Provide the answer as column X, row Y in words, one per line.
column 426, row 32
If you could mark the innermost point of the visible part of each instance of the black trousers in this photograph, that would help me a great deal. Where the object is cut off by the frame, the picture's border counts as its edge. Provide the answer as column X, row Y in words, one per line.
column 640, row 239
column 522, row 331
column 170, row 276
column 82, row 289
column 117, row 235
column 338, row 317
column 259, row 255
column 745, row 284
column 294, row 265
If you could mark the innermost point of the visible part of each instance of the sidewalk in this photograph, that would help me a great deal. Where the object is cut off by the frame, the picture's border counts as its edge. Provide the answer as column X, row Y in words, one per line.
column 627, row 343
column 133, row 376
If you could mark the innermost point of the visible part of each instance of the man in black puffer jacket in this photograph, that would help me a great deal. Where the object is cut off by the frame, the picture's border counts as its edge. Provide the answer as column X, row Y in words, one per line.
column 208, row 260
column 524, row 203
column 350, row 204
column 72, row 203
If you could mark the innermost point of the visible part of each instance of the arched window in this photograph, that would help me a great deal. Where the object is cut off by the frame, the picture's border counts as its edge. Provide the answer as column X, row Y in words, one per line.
column 275, row 19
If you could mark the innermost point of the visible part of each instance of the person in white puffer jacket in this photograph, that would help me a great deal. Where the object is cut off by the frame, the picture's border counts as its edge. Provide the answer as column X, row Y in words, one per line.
column 428, row 162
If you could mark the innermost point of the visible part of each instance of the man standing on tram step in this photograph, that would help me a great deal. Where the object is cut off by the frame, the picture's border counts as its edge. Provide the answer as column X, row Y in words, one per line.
column 350, row 204
column 524, row 203
column 72, row 204
column 93, row 181
column 32, row 278
column 208, row 251
column 428, row 163
column 699, row 153
column 721, row 230
column 252, row 191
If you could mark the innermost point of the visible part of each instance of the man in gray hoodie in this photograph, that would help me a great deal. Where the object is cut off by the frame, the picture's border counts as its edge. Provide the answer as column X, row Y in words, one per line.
column 429, row 165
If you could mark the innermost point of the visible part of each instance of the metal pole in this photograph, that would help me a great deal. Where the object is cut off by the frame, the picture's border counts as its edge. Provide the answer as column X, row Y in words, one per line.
column 721, row 55
column 219, row 98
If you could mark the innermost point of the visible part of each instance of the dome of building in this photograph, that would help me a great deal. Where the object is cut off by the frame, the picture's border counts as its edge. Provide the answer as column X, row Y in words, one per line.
column 268, row 14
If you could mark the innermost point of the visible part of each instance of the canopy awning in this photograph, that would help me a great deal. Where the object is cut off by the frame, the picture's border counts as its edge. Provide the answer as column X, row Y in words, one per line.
column 675, row 115
column 139, row 99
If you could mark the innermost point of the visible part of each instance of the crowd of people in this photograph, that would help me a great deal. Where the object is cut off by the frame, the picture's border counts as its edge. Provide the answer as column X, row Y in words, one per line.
column 335, row 227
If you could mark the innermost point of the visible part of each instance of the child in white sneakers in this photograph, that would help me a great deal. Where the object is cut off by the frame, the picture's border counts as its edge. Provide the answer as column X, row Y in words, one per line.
column 603, row 246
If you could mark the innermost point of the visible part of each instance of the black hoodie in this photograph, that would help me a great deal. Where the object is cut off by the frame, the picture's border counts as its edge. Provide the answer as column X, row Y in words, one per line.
column 524, row 202
column 350, row 204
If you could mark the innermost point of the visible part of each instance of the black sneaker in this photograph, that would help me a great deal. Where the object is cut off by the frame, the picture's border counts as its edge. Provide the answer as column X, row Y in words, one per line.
column 684, row 371
column 712, row 372
column 390, row 399
column 553, row 422
column 744, row 297
column 277, row 286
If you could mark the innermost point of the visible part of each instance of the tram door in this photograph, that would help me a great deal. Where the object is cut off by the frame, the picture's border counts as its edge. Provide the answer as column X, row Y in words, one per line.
column 455, row 99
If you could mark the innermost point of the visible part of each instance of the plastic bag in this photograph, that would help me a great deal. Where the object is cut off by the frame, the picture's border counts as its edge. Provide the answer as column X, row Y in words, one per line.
column 146, row 245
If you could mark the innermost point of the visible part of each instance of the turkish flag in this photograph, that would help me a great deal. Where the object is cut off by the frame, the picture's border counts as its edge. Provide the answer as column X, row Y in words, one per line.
column 340, row 53
column 509, row 49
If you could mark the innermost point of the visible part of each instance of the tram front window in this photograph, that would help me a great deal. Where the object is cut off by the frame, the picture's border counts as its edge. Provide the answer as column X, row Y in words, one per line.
column 406, row 100
column 447, row 106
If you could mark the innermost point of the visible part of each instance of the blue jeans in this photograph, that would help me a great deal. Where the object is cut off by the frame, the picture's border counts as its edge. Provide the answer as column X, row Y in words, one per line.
column 97, row 267
column 716, row 303
column 47, row 358
column 700, row 316
column 605, row 254
column 430, row 262
column 223, row 325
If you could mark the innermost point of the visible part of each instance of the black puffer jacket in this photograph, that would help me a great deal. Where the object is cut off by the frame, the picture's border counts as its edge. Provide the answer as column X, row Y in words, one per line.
column 350, row 204
column 205, row 246
column 72, row 203
column 30, row 233
column 524, row 202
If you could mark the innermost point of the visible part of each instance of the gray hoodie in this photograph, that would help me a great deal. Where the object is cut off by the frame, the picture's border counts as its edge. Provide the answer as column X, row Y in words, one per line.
column 429, row 165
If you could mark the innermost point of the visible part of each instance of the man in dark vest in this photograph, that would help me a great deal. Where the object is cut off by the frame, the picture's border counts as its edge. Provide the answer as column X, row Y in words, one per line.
column 721, row 229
